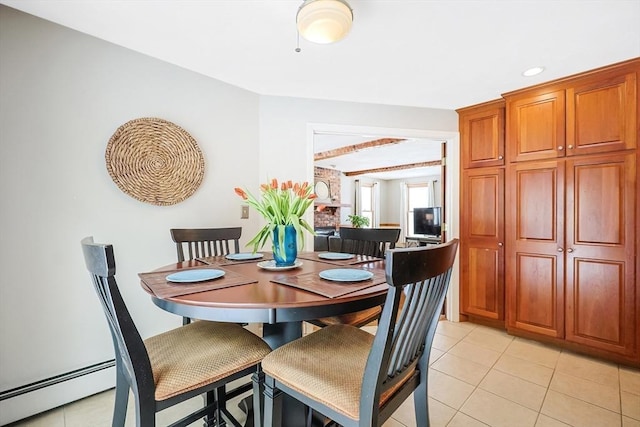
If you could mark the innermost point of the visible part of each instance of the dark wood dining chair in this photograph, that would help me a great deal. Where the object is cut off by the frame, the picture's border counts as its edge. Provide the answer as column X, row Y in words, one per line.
column 365, row 241
column 362, row 241
column 169, row 368
column 194, row 243
column 355, row 378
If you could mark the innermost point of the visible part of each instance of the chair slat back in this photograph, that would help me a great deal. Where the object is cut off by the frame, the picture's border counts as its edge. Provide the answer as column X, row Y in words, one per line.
column 127, row 341
column 368, row 241
column 405, row 335
column 194, row 243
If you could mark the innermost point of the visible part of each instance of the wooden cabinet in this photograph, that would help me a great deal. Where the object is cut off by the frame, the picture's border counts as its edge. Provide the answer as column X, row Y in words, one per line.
column 602, row 113
column 482, row 249
column 482, row 135
column 482, row 212
column 588, row 115
column 601, row 308
column 535, row 125
column 571, row 264
column 571, row 239
column 535, row 238
column 550, row 212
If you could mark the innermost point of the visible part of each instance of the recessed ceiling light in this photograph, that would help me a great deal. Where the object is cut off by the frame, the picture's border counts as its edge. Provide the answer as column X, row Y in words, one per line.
column 532, row 71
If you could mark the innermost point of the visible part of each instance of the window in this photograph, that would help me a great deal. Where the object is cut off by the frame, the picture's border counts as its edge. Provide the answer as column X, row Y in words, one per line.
column 367, row 202
column 417, row 197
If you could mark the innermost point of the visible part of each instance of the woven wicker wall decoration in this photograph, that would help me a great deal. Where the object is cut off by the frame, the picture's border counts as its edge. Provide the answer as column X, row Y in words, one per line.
column 155, row 161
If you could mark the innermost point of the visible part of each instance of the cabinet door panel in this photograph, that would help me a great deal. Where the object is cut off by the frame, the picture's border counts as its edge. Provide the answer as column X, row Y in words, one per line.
column 536, row 126
column 483, row 294
column 482, row 134
column 536, row 294
column 601, row 200
column 482, row 231
column 537, row 205
column 602, row 115
column 535, row 261
column 596, row 296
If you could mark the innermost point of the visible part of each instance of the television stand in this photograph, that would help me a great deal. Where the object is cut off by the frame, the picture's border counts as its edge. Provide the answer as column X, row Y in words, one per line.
column 423, row 240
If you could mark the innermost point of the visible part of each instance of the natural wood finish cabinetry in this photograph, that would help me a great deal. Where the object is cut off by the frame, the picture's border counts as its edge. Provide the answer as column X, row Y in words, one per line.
column 536, row 126
column 571, row 271
column 535, row 262
column 571, row 225
column 549, row 240
column 482, row 134
column 602, row 114
column 593, row 114
column 482, row 208
column 482, row 253
column 601, row 308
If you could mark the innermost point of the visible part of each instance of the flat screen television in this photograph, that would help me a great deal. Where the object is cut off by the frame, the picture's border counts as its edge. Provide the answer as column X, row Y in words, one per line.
column 427, row 221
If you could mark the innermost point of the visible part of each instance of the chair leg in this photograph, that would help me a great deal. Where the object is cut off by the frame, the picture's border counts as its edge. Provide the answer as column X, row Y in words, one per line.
column 121, row 397
column 258, row 397
column 145, row 412
column 421, row 400
column 210, row 417
column 220, row 396
column 309, row 416
column 272, row 404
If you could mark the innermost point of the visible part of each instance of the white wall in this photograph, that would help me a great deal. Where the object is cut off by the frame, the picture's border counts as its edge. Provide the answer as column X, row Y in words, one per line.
column 346, row 197
column 62, row 95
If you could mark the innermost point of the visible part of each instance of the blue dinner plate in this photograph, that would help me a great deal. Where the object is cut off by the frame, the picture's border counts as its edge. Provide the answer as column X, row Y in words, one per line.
column 346, row 275
column 335, row 255
column 242, row 256
column 199, row 275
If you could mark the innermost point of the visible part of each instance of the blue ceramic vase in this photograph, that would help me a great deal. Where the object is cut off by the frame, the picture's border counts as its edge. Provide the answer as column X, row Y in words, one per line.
column 286, row 255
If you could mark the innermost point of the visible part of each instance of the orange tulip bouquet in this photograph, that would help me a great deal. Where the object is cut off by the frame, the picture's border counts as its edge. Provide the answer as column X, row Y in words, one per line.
column 283, row 206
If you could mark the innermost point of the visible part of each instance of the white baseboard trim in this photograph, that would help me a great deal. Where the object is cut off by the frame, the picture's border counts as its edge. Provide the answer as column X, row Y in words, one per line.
column 50, row 397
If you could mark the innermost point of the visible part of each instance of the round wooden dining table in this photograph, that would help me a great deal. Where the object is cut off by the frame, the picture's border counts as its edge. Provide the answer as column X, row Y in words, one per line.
column 280, row 308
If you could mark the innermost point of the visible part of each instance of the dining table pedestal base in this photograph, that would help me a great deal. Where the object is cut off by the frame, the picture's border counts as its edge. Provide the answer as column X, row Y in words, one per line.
column 278, row 334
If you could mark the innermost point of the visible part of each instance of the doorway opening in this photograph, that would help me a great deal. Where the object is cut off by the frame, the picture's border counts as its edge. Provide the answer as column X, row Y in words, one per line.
column 355, row 152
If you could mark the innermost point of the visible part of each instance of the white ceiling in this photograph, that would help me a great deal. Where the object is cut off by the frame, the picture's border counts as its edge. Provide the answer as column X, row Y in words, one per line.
column 407, row 151
column 431, row 53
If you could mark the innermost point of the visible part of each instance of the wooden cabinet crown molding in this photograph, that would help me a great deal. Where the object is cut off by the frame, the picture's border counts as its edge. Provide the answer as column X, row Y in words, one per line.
column 560, row 83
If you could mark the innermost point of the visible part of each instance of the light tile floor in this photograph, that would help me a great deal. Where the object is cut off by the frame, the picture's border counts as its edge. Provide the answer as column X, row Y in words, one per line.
column 479, row 377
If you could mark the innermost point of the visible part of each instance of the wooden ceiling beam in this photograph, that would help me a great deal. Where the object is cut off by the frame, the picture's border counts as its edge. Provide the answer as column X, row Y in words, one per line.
column 395, row 168
column 354, row 148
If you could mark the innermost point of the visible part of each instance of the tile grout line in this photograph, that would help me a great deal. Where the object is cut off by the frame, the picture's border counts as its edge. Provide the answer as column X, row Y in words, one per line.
column 476, row 387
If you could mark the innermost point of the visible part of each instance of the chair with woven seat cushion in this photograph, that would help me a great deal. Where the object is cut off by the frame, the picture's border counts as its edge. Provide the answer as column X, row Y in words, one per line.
column 169, row 368
column 206, row 242
column 358, row 379
column 362, row 241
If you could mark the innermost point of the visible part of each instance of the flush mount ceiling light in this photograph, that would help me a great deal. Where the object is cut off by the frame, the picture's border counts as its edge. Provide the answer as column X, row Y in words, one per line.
column 532, row 71
column 324, row 21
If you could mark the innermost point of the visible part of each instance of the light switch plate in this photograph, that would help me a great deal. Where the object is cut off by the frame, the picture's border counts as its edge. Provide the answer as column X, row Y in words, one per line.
column 244, row 214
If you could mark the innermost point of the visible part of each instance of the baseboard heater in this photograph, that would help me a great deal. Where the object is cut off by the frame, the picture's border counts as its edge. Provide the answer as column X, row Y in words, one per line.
column 47, row 382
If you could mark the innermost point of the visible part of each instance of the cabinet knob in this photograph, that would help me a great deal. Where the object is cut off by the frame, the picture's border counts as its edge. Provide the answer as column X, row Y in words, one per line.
column 560, row 249
column 569, row 250
column 570, row 146
column 500, row 157
column 560, row 147
column 500, row 244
